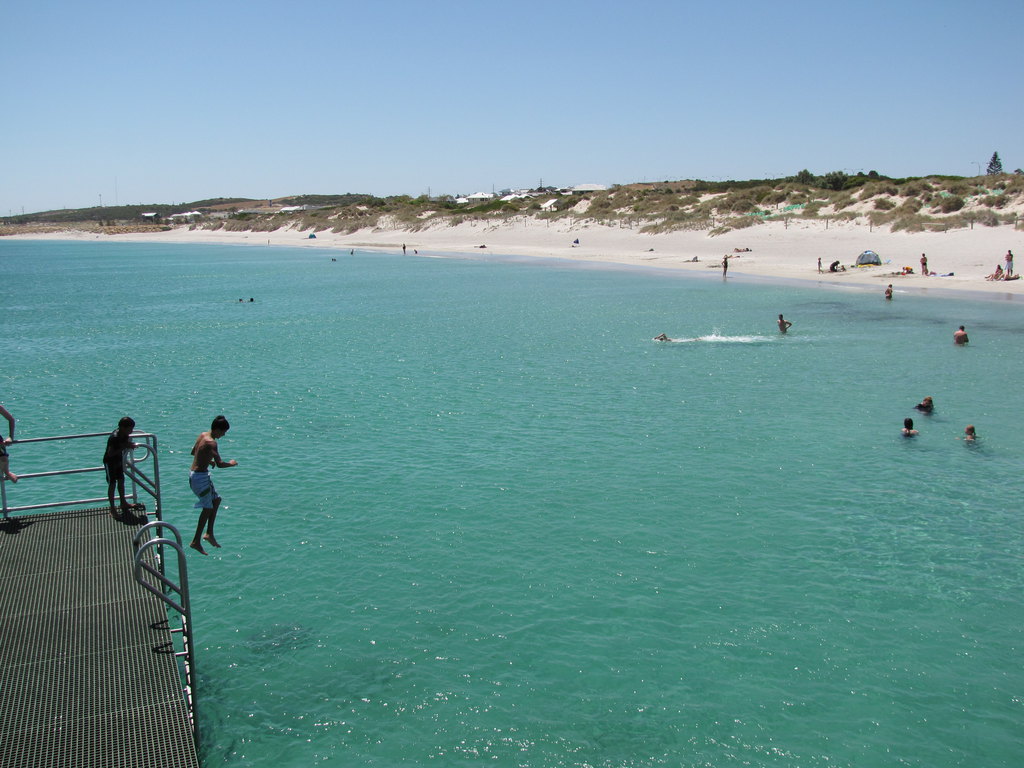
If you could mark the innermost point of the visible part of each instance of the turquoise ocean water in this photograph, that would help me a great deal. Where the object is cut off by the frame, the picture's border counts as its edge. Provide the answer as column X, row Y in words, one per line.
column 480, row 517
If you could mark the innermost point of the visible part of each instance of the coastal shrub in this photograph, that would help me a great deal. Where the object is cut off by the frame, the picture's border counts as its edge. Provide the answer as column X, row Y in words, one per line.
column 680, row 219
column 994, row 201
column 951, row 203
column 884, row 204
column 735, row 222
column 910, row 206
column 841, row 201
column 742, row 204
column 834, row 180
column 775, row 197
column 916, row 189
column 910, row 223
column 878, row 218
column 984, row 216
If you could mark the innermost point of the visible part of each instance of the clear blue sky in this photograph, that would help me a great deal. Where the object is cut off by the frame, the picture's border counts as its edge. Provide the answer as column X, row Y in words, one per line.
column 167, row 103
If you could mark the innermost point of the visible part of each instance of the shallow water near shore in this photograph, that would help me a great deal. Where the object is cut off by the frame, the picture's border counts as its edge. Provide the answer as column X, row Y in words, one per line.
column 481, row 517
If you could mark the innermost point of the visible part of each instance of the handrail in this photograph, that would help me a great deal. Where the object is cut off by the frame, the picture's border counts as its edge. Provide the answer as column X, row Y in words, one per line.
column 155, row 524
column 182, row 606
column 145, row 441
column 145, row 573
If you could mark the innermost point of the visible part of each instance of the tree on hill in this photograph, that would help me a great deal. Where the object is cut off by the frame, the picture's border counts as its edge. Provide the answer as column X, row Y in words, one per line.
column 834, row 180
column 995, row 165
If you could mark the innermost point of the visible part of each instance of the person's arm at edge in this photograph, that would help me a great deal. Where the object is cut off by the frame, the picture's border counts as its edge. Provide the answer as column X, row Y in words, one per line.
column 10, row 420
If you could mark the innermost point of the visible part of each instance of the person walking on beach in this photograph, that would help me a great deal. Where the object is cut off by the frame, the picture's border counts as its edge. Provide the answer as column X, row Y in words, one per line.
column 1008, row 271
column 924, row 265
column 4, row 459
column 784, row 324
column 725, row 264
column 819, row 265
column 960, row 336
column 888, row 292
column 207, row 453
column 120, row 440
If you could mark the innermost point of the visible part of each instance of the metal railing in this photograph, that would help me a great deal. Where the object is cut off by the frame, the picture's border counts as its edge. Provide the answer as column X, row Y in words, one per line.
column 149, row 483
column 163, row 589
column 137, row 481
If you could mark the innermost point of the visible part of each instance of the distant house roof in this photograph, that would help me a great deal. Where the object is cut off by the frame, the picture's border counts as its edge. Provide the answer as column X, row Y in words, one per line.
column 588, row 188
column 481, row 196
column 549, row 204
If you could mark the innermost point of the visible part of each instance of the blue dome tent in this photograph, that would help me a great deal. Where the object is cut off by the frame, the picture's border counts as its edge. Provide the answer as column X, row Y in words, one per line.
column 869, row 258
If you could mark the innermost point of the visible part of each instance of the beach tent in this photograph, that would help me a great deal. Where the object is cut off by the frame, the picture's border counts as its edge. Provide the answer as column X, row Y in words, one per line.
column 868, row 257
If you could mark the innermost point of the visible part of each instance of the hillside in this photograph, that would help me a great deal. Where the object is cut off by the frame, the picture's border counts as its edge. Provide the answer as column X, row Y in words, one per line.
column 935, row 203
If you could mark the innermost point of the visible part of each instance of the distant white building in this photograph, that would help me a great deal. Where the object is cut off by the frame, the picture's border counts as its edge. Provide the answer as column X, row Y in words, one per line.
column 481, row 197
column 588, row 188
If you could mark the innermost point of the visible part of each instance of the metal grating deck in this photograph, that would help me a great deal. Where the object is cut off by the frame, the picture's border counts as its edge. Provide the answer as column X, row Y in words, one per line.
column 88, row 676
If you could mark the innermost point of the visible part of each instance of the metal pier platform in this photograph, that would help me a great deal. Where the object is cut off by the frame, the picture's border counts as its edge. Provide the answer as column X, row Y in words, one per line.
column 88, row 675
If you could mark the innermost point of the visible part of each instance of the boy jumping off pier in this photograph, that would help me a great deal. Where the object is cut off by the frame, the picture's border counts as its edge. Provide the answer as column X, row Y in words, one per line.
column 206, row 453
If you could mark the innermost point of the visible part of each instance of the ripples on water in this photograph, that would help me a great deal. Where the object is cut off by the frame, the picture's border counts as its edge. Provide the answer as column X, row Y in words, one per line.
column 480, row 516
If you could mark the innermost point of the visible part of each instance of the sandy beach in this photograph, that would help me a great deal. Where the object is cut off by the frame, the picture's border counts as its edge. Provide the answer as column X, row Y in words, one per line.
column 960, row 259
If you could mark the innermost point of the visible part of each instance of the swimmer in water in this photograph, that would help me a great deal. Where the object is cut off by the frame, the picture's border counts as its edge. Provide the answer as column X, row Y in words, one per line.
column 926, row 405
column 969, row 433
column 784, row 324
column 908, row 428
column 960, row 336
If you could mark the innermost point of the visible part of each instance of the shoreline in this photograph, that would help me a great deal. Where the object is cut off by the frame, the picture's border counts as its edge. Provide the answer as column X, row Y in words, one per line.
column 771, row 251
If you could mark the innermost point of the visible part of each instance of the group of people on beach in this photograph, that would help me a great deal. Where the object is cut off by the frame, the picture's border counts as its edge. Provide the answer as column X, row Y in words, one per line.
column 205, row 453
column 1004, row 271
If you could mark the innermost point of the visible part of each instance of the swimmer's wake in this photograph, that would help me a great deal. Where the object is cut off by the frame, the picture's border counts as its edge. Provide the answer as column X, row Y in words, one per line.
column 716, row 338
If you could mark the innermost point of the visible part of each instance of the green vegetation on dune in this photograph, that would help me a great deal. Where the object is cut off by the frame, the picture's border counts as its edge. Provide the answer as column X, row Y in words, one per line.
column 911, row 204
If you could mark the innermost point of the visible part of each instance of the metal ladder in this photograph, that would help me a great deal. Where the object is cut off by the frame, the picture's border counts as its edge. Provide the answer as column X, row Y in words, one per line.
column 181, row 606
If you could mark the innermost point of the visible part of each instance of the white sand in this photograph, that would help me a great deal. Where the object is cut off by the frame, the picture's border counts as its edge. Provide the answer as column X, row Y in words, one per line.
column 776, row 251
